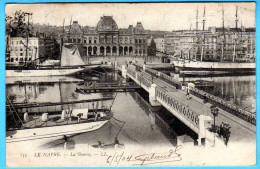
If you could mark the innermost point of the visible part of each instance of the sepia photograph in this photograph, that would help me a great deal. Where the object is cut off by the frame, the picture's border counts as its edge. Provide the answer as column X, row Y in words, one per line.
column 130, row 84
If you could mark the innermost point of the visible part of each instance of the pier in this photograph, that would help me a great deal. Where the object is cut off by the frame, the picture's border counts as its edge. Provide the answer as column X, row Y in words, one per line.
column 195, row 112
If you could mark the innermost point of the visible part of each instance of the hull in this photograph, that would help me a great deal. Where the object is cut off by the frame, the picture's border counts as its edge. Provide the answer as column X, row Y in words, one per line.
column 42, row 72
column 221, row 67
column 46, row 79
column 43, row 135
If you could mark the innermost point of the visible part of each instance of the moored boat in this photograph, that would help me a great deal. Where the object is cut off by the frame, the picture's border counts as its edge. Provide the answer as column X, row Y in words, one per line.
column 190, row 66
column 48, row 128
column 70, row 63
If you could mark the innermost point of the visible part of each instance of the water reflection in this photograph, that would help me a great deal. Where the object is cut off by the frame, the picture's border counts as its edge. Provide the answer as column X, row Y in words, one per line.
column 239, row 90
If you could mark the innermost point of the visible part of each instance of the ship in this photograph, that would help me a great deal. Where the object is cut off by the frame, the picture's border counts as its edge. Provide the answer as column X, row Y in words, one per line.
column 47, row 128
column 70, row 63
column 205, row 68
column 234, row 53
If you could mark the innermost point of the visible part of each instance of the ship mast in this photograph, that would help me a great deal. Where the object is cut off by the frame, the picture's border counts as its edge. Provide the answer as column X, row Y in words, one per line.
column 204, row 18
column 236, row 17
column 196, row 29
column 197, row 15
column 224, row 37
column 28, row 32
column 234, row 39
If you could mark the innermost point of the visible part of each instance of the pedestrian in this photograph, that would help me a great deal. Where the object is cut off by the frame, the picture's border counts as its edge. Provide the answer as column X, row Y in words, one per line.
column 188, row 95
column 205, row 99
column 221, row 129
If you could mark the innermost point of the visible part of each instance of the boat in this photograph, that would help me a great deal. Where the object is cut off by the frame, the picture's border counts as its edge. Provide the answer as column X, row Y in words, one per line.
column 46, row 128
column 70, row 63
column 201, row 67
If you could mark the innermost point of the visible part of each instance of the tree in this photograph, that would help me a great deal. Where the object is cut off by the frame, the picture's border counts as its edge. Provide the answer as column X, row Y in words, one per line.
column 17, row 24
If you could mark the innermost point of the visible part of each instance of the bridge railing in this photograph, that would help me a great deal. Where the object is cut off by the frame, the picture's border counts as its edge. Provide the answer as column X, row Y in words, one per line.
column 184, row 111
column 164, row 77
column 231, row 108
column 144, row 81
column 131, row 72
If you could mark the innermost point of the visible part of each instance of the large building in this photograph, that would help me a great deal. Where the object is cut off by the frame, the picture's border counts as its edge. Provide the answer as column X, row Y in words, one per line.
column 18, row 52
column 38, row 49
column 107, row 39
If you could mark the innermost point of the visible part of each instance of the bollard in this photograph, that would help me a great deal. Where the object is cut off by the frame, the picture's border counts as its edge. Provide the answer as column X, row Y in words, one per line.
column 202, row 129
column 124, row 71
column 63, row 114
column 152, row 96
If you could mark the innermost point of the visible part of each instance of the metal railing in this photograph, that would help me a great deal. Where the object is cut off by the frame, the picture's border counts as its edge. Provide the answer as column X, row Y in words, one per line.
column 181, row 109
column 231, row 108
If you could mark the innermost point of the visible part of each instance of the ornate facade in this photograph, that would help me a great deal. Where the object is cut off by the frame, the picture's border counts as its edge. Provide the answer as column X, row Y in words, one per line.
column 106, row 39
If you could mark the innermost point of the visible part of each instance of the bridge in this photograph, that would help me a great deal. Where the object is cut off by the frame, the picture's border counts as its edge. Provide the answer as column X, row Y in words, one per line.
column 195, row 113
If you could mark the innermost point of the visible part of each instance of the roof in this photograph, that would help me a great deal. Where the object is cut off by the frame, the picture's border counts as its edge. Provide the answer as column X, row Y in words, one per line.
column 107, row 23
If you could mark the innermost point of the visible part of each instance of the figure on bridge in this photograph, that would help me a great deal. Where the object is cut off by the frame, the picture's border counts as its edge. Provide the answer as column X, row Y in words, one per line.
column 224, row 130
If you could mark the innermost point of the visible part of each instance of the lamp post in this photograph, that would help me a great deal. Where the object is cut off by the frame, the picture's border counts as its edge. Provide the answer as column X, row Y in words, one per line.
column 214, row 111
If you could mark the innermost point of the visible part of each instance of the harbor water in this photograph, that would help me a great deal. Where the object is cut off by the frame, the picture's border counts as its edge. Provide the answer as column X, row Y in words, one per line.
column 134, row 121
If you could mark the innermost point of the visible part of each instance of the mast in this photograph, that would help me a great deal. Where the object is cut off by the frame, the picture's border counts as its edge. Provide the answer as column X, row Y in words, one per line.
column 236, row 21
column 204, row 18
column 70, row 27
column 224, row 37
column 27, row 38
column 62, row 37
column 197, row 15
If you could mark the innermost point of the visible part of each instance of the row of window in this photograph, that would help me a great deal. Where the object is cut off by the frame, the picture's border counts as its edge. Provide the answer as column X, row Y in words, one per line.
column 140, row 51
column 21, row 59
column 17, row 42
column 16, row 48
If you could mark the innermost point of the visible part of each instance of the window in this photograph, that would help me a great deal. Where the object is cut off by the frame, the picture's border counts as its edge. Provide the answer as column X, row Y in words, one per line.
column 89, row 41
column 21, row 54
column 79, row 41
column 12, row 59
column 21, row 59
column 16, row 59
column 21, row 49
column 95, row 41
column 30, row 59
column 85, row 41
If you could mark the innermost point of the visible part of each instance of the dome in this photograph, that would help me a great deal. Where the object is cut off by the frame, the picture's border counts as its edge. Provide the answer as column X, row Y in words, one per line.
column 107, row 23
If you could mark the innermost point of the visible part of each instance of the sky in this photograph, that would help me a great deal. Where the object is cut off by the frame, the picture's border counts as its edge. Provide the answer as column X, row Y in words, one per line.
column 154, row 16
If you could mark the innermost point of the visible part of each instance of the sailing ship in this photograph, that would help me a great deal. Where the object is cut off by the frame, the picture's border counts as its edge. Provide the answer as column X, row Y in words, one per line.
column 228, row 48
column 70, row 63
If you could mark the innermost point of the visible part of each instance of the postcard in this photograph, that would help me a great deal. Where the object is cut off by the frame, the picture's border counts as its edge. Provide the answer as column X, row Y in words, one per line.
column 130, row 84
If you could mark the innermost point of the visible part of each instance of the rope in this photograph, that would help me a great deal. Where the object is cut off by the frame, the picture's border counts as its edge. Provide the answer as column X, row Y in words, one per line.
column 13, row 108
column 78, row 88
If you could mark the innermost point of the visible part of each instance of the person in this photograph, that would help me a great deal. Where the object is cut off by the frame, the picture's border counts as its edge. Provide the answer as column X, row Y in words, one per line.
column 116, row 142
column 221, row 129
column 188, row 95
column 205, row 99
column 79, row 117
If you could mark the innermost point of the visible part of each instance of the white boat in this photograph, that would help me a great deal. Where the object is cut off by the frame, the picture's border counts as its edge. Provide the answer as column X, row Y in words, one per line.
column 70, row 63
column 43, row 130
column 190, row 66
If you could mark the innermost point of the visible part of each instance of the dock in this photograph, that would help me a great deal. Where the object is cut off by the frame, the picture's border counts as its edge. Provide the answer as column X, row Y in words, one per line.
column 108, row 87
column 44, row 104
column 195, row 113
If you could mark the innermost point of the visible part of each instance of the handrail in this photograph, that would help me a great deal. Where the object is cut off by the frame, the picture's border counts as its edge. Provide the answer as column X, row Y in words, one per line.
column 184, row 111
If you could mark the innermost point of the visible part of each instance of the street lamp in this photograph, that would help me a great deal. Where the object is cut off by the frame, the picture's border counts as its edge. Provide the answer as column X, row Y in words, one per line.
column 214, row 111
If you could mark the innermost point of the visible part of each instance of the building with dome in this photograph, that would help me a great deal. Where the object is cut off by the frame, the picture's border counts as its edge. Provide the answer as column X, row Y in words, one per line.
column 106, row 39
